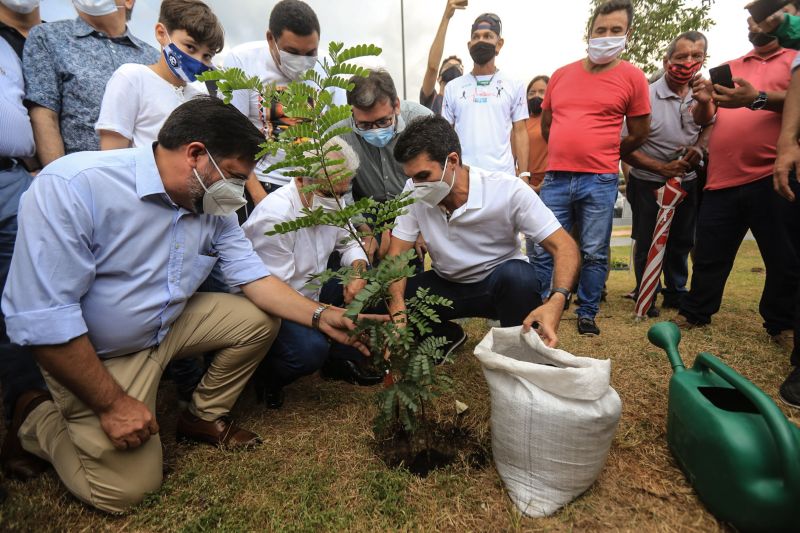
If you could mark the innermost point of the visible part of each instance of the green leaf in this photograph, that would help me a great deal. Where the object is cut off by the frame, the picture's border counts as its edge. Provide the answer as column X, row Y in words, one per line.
column 354, row 52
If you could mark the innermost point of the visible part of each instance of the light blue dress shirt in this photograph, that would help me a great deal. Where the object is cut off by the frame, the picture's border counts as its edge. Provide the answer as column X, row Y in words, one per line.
column 102, row 249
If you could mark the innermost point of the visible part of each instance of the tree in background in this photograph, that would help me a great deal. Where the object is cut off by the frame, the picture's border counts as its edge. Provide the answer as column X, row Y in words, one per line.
column 656, row 23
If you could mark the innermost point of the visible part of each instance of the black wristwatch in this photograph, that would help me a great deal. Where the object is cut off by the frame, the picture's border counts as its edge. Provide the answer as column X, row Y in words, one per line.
column 566, row 292
column 760, row 102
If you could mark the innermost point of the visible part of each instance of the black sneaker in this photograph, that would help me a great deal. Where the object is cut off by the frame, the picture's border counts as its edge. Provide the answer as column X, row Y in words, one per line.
column 455, row 336
column 587, row 327
column 789, row 392
column 653, row 312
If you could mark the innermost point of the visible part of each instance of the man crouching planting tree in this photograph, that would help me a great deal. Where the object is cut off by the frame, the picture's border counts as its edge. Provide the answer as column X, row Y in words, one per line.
column 312, row 150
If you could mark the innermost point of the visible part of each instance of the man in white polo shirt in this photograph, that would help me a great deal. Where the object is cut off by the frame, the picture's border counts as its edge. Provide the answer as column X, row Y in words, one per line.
column 471, row 219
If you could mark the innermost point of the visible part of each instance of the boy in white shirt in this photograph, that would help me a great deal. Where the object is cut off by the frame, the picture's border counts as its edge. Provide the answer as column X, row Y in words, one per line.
column 139, row 98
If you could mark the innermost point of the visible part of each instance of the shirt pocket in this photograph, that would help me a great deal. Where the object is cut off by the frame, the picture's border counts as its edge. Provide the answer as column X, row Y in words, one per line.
column 202, row 267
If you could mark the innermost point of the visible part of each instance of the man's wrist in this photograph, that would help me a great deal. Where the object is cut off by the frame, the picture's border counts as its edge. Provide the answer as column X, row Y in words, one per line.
column 315, row 318
column 525, row 176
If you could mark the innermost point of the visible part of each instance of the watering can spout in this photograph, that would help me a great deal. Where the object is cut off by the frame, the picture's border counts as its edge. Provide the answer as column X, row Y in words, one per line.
column 667, row 336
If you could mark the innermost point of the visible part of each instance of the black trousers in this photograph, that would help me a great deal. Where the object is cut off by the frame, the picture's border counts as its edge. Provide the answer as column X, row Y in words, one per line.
column 681, row 235
column 791, row 217
column 724, row 218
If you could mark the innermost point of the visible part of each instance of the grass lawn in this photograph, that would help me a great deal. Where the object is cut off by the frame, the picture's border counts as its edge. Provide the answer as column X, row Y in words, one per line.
column 317, row 469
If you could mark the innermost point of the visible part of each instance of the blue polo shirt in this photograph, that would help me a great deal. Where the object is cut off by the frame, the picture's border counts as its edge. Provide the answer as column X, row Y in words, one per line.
column 103, row 249
column 67, row 64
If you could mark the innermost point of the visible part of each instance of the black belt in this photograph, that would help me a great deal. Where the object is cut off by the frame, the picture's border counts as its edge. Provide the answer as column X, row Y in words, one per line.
column 7, row 162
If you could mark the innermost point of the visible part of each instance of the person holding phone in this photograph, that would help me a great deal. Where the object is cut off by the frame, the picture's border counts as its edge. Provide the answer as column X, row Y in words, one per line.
column 681, row 109
column 450, row 69
column 783, row 23
column 739, row 194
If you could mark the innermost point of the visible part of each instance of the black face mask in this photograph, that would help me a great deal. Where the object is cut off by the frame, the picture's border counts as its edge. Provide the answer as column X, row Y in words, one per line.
column 535, row 105
column 759, row 39
column 482, row 52
column 450, row 74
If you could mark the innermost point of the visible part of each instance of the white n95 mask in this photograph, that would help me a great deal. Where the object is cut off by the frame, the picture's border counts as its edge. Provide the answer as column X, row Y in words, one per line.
column 96, row 8
column 431, row 194
column 224, row 196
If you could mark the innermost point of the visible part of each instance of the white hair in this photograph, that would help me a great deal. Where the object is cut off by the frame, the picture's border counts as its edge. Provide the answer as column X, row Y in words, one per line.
column 344, row 151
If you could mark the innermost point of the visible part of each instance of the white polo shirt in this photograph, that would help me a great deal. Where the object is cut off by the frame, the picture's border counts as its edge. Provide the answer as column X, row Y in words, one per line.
column 484, row 232
column 294, row 257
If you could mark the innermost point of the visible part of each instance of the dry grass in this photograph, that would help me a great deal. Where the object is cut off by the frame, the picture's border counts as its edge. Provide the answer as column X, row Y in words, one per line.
column 317, row 470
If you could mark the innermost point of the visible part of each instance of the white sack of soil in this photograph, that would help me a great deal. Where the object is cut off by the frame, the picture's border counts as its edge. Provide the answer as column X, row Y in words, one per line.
column 553, row 418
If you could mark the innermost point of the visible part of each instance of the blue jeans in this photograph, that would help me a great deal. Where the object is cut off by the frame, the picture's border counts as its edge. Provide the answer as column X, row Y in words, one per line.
column 18, row 370
column 588, row 200
column 300, row 350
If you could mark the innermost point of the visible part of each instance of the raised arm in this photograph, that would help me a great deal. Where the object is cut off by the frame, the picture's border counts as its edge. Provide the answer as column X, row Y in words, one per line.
column 437, row 48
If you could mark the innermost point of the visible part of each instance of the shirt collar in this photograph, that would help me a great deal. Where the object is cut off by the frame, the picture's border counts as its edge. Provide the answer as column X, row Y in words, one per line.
column 475, row 194
column 83, row 29
column 752, row 55
column 148, row 180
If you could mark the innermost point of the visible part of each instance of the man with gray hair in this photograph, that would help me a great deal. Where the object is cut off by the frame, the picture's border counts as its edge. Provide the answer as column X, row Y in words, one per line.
column 682, row 113
column 379, row 117
column 294, row 258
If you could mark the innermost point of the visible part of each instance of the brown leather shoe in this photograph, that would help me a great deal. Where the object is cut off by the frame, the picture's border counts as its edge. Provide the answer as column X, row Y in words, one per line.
column 784, row 340
column 221, row 432
column 683, row 323
column 17, row 463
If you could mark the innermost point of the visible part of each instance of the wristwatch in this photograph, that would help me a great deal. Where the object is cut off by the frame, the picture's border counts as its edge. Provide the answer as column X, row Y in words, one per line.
column 317, row 314
column 760, row 102
column 525, row 176
column 566, row 292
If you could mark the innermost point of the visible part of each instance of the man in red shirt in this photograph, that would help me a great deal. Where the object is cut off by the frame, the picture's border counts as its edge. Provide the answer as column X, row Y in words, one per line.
column 583, row 111
column 739, row 195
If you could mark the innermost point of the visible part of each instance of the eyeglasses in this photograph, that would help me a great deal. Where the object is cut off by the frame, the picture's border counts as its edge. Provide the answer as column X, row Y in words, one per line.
column 384, row 122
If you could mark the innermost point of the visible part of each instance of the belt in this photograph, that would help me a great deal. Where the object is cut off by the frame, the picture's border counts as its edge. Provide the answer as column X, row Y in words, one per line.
column 7, row 163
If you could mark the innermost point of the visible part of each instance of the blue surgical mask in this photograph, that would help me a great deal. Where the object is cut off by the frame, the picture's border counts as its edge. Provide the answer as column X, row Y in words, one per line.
column 379, row 137
column 182, row 64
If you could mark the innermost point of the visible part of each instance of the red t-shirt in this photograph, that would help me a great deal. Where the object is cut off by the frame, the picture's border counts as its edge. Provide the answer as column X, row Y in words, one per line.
column 588, row 110
column 743, row 144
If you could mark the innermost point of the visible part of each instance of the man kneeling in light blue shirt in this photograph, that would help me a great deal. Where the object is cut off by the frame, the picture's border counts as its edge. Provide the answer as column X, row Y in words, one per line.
column 111, row 249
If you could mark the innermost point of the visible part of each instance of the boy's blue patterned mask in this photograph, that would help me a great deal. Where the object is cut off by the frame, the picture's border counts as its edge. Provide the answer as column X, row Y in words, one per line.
column 182, row 64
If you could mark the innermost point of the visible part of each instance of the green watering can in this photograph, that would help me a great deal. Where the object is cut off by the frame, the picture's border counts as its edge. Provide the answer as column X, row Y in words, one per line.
column 738, row 450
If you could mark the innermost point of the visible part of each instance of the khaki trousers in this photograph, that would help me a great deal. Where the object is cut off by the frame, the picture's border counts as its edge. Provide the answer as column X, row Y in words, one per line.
column 67, row 433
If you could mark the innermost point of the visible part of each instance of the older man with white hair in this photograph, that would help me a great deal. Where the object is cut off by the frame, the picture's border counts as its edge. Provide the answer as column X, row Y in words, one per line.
column 294, row 258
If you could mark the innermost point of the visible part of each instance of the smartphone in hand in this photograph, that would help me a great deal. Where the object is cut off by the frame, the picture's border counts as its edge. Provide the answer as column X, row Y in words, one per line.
column 721, row 75
column 760, row 10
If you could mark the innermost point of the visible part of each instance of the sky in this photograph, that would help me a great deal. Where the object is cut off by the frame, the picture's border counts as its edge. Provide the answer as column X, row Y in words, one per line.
column 540, row 35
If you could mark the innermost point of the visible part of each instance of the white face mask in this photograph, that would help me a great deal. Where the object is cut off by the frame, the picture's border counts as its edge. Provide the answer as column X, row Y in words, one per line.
column 21, row 6
column 604, row 50
column 96, row 8
column 431, row 194
column 328, row 205
column 294, row 66
column 224, row 196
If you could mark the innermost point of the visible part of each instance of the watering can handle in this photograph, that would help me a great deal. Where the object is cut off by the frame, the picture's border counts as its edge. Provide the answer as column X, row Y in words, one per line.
column 780, row 428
